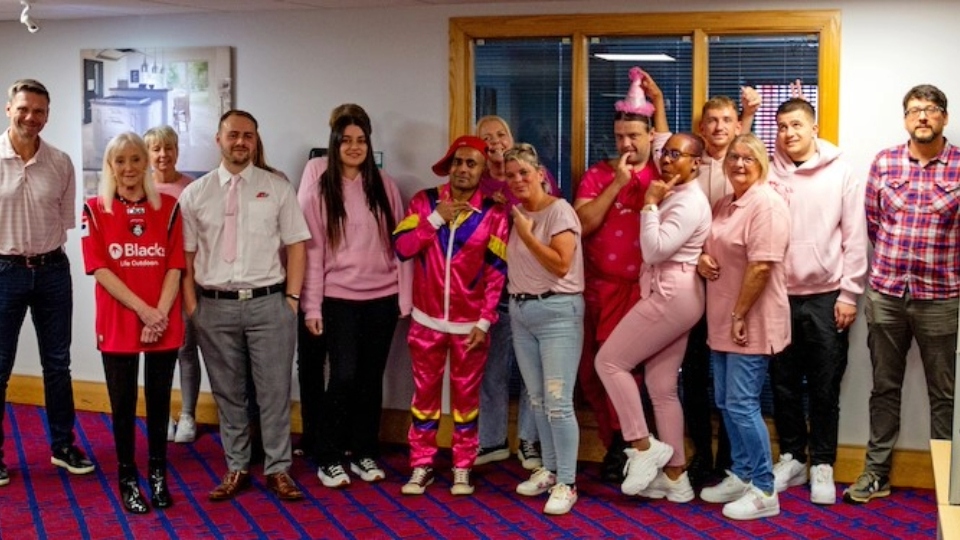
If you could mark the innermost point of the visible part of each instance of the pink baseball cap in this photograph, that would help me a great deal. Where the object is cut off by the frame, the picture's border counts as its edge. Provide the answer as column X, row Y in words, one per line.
column 442, row 167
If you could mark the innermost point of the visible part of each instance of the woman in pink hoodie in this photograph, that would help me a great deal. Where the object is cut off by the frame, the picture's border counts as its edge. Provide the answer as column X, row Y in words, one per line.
column 353, row 292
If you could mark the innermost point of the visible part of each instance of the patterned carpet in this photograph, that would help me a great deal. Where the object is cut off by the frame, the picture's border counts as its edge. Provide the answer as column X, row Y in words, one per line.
column 43, row 501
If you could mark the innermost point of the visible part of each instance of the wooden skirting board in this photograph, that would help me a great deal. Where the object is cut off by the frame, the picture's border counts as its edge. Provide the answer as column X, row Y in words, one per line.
column 911, row 468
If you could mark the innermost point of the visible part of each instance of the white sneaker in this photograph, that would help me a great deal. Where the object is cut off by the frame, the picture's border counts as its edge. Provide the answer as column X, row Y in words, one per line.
column 822, row 488
column 754, row 504
column 461, row 482
column 419, row 480
column 788, row 472
column 642, row 466
column 186, row 429
column 729, row 490
column 678, row 491
column 171, row 430
column 333, row 475
column 540, row 482
column 562, row 499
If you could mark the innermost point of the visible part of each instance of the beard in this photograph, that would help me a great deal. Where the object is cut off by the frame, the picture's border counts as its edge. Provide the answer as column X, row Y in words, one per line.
column 925, row 138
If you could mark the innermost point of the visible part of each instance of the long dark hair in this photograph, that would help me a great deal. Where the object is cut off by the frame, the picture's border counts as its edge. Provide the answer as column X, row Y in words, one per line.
column 331, row 184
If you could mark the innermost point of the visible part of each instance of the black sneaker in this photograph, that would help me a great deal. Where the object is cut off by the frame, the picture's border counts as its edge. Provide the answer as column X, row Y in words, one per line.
column 492, row 453
column 529, row 455
column 4, row 475
column 73, row 460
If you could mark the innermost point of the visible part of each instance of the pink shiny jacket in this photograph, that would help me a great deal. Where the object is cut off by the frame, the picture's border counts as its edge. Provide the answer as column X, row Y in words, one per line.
column 459, row 267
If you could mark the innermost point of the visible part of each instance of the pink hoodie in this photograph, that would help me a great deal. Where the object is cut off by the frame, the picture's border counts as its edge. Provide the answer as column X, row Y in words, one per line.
column 828, row 240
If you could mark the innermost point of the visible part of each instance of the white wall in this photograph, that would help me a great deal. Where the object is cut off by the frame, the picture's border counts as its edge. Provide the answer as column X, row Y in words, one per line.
column 292, row 68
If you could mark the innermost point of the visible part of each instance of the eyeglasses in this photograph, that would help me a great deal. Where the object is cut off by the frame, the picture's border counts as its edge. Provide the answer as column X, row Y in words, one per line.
column 747, row 160
column 676, row 154
column 929, row 110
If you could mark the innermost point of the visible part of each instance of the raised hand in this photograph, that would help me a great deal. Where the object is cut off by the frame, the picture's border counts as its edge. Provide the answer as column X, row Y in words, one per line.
column 750, row 100
column 658, row 190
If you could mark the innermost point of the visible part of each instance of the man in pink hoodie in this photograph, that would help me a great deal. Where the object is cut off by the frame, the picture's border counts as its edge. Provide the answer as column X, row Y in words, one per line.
column 826, row 272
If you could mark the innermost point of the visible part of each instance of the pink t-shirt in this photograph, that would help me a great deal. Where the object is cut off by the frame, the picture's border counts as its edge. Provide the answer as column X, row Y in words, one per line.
column 173, row 189
column 613, row 249
column 754, row 228
column 525, row 274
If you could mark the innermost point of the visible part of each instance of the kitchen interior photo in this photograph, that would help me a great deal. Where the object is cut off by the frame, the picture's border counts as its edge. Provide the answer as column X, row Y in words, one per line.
column 137, row 88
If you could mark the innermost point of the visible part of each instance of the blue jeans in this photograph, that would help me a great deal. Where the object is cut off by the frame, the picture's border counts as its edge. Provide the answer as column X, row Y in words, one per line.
column 737, row 382
column 495, row 389
column 48, row 292
column 548, row 338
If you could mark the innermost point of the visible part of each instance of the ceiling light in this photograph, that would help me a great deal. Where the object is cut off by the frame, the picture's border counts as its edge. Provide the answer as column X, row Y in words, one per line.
column 635, row 57
column 25, row 18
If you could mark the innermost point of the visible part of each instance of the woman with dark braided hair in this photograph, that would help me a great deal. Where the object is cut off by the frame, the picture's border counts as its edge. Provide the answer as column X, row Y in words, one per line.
column 353, row 293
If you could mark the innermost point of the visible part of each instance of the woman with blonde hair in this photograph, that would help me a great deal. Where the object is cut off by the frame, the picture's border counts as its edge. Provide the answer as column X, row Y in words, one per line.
column 133, row 247
column 748, row 321
column 546, row 315
column 163, row 147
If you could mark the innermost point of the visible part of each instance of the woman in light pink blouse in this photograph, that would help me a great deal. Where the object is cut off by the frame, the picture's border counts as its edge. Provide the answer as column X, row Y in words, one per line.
column 748, row 321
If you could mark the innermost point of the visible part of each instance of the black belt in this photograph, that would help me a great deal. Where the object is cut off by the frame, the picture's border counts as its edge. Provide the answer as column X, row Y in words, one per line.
column 522, row 297
column 243, row 294
column 50, row 257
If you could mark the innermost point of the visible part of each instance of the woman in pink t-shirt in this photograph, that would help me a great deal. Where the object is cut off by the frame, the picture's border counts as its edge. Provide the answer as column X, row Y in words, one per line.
column 545, row 271
column 163, row 146
column 748, row 321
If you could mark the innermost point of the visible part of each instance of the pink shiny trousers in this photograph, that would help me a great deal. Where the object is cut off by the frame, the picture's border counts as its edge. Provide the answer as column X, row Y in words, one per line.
column 654, row 332
column 428, row 357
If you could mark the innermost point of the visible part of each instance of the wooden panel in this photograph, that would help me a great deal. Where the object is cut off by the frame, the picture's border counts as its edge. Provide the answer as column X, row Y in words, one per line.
column 701, row 25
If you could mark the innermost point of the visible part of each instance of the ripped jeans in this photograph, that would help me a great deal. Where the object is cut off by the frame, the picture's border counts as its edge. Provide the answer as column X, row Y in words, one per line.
column 547, row 338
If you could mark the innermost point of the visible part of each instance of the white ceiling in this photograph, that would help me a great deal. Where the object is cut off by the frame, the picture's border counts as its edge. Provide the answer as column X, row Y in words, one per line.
column 91, row 9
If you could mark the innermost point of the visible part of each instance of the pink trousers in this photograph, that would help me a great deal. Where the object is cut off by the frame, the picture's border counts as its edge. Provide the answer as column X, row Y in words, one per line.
column 654, row 332
column 428, row 357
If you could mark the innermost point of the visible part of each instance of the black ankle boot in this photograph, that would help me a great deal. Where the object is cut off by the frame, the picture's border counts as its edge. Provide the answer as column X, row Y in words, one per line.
column 130, row 494
column 159, row 494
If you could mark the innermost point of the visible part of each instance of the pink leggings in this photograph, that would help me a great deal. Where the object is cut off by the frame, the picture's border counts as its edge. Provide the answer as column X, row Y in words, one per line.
column 654, row 332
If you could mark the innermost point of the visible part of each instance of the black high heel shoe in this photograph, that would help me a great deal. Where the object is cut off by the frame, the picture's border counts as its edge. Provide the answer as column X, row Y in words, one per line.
column 130, row 495
column 159, row 493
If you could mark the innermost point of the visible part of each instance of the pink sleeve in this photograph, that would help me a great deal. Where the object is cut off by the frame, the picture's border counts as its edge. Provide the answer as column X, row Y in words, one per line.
column 311, row 295
column 495, row 273
column 590, row 187
column 415, row 232
column 853, row 227
column 404, row 268
column 768, row 229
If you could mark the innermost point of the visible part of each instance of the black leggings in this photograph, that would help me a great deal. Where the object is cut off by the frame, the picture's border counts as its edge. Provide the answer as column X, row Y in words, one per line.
column 121, row 371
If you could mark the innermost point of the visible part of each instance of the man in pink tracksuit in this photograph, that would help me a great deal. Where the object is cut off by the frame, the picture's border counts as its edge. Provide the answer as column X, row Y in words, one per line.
column 457, row 239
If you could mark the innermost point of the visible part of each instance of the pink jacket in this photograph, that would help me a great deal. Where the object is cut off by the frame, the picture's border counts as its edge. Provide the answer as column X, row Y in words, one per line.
column 361, row 268
column 459, row 267
column 828, row 238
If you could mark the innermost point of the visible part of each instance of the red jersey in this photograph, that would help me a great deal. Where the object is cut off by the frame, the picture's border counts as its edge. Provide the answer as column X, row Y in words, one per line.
column 139, row 245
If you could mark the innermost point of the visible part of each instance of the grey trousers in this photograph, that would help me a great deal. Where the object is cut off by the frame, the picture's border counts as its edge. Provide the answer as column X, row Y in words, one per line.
column 265, row 329
column 893, row 323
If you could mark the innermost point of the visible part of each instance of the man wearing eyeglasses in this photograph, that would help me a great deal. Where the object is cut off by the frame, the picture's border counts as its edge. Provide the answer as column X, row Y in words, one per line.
column 913, row 221
column 826, row 268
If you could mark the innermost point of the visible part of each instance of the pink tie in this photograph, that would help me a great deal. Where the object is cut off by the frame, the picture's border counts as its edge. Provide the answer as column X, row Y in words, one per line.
column 228, row 249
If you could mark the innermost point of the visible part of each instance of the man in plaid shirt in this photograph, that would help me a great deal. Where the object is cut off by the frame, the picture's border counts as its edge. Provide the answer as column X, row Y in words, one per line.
column 912, row 203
